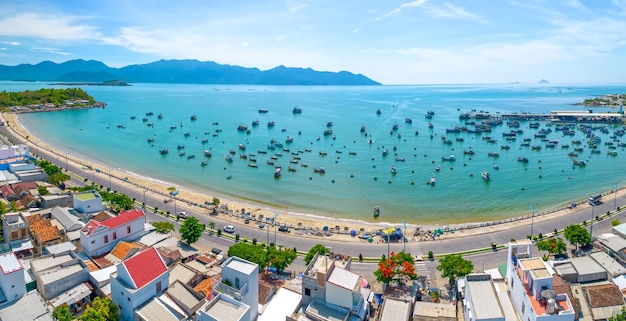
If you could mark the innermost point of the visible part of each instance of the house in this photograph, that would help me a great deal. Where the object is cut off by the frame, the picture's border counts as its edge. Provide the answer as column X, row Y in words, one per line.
column 88, row 202
column 122, row 251
column 15, row 191
column 173, row 250
column 12, row 283
column 581, row 269
column 57, row 273
column 429, row 311
column 530, row 283
column 15, row 231
column 97, row 238
column 69, row 224
column 137, row 280
column 240, row 281
column 395, row 310
column 54, row 199
column 42, row 233
column 284, row 303
column 222, row 307
column 480, row 299
column 29, row 307
column 13, row 154
column 604, row 300
column 315, row 275
column 613, row 245
column 609, row 264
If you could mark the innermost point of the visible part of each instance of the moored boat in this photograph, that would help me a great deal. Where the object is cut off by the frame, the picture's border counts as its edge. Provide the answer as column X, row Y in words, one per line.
column 450, row 158
column 278, row 171
column 296, row 110
column 485, row 175
column 431, row 182
column 579, row 162
column 263, row 111
column 376, row 211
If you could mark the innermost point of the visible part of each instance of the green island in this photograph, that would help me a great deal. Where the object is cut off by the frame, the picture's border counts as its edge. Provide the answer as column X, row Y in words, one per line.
column 610, row 100
column 47, row 99
column 120, row 83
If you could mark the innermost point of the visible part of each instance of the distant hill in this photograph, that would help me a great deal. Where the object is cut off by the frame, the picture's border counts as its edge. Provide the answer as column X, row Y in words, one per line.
column 178, row 71
column 543, row 81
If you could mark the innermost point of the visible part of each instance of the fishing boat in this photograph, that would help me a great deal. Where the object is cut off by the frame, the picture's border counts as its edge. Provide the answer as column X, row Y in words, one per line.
column 278, row 171
column 376, row 211
column 495, row 166
column 150, row 140
column 204, row 163
column 493, row 154
column 204, row 141
column 253, row 165
column 438, row 168
column 392, row 169
column 378, row 112
column 468, row 152
column 228, row 158
column 408, row 120
column 180, row 147
column 271, row 124
column 431, row 182
column 187, row 134
column 207, row 153
column 522, row 159
column 163, row 151
column 296, row 110
column 319, row 170
column 263, row 111
column 363, row 129
column 485, row 175
column 160, row 116
column 149, row 113
column 430, row 125
column 579, row 162
column 450, row 158
column 191, row 156
column 181, row 153
column 242, row 128
column 132, row 117
column 399, row 159
column 242, row 146
column 328, row 132
column 194, row 117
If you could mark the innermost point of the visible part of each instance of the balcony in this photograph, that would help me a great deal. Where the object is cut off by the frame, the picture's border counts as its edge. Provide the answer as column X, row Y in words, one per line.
column 237, row 294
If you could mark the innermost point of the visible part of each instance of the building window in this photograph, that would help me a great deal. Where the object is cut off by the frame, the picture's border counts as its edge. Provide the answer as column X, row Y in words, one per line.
column 128, row 299
column 237, row 283
column 307, row 291
column 114, row 235
column 128, row 229
column 523, row 308
column 106, row 239
column 158, row 287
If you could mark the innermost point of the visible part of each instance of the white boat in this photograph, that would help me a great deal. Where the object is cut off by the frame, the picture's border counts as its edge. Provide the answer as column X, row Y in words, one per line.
column 392, row 169
column 495, row 166
column 431, row 182
column 278, row 171
column 485, row 175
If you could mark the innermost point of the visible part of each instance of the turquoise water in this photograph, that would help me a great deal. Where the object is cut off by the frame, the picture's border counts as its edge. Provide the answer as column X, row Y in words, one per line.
column 352, row 184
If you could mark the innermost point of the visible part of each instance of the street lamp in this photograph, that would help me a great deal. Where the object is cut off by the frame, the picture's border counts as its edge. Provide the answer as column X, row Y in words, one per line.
column 615, row 197
column 532, row 221
column 110, row 185
column 144, row 199
column 591, row 225
column 275, row 216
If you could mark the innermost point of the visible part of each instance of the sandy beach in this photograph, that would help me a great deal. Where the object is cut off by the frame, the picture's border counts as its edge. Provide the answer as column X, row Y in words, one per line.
column 192, row 199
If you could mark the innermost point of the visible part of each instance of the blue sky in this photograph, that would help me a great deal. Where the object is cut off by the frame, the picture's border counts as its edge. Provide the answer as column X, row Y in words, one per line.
column 393, row 42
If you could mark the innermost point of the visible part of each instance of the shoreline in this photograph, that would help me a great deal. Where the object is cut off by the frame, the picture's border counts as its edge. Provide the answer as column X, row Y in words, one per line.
column 194, row 198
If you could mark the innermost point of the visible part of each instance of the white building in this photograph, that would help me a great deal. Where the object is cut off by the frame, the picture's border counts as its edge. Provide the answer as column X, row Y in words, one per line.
column 97, row 238
column 343, row 289
column 243, row 277
column 138, row 280
column 530, row 285
column 88, row 202
column 480, row 300
column 12, row 284
column 223, row 308
column 14, row 152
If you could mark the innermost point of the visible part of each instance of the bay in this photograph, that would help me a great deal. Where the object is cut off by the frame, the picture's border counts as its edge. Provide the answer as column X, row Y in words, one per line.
column 357, row 175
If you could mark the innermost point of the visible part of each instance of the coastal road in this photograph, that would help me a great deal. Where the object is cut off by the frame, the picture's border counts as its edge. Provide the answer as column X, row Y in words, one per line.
column 303, row 243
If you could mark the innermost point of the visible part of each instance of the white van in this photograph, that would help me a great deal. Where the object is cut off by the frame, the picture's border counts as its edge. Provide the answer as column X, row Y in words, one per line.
column 229, row 229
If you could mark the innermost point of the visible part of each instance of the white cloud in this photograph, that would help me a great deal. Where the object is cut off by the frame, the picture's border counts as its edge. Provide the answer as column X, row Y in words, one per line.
column 2, row 49
column 297, row 7
column 397, row 10
column 55, row 51
column 245, row 44
column 448, row 10
column 52, row 27
column 11, row 43
column 356, row 30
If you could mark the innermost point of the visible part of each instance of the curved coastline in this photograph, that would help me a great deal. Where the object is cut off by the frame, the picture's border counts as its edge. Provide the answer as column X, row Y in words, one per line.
column 194, row 196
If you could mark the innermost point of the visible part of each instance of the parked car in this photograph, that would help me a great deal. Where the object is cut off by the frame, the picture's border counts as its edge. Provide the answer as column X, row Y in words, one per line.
column 247, row 221
column 261, row 225
column 181, row 215
column 283, row 228
column 229, row 229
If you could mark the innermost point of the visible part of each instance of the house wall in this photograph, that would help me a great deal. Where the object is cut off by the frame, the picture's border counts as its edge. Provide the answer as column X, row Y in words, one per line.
column 89, row 206
column 252, row 297
column 315, row 291
column 13, row 285
column 338, row 296
column 49, row 201
column 94, row 244
column 10, row 224
column 57, row 287
column 128, row 300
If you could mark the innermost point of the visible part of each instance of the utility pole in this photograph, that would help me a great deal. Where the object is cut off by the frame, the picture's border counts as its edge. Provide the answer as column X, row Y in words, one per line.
column 532, row 221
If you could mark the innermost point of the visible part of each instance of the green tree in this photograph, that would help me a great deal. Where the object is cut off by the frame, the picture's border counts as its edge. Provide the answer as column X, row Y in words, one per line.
column 101, row 309
column 397, row 268
column 453, row 266
column 3, row 208
column 43, row 190
column 58, row 178
column 280, row 259
column 552, row 245
column 163, row 227
column 212, row 225
column 316, row 249
column 577, row 235
column 621, row 316
column 13, row 206
column 615, row 222
column 216, row 201
column 191, row 230
column 249, row 252
column 62, row 313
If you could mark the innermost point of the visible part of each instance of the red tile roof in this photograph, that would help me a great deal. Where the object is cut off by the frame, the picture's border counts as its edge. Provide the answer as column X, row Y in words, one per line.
column 145, row 267
column 123, row 218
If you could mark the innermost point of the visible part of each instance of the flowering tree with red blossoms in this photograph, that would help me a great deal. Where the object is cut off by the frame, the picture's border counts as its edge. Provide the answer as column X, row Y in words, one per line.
column 396, row 268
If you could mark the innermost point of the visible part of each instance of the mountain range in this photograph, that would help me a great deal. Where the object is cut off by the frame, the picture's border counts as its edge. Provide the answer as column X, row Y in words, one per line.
column 178, row 71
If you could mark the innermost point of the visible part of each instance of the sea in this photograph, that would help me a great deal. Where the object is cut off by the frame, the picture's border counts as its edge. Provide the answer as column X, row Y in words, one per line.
column 348, row 172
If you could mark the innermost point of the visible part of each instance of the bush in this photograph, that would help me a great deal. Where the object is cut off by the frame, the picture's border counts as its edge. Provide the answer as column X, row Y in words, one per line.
column 262, row 244
column 540, row 236
column 219, row 232
column 512, row 240
column 430, row 255
column 585, row 223
column 254, row 241
column 272, row 244
column 556, row 232
column 245, row 240
column 615, row 222
column 237, row 237
column 360, row 257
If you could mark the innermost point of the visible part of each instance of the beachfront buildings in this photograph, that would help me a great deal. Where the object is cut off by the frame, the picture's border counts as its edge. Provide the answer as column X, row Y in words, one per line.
column 97, row 238
column 13, row 154
column 137, row 280
column 240, row 281
column 12, row 284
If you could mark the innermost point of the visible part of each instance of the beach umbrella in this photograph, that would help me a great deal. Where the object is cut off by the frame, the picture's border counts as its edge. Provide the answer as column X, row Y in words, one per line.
column 353, row 233
column 370, row 239
column 548, row 294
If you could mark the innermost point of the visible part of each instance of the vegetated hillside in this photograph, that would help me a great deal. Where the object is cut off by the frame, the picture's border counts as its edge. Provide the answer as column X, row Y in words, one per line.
column 42, row 96
column 179, row 71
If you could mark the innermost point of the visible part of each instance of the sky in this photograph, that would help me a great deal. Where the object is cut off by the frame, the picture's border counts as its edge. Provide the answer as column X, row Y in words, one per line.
column 392, row 42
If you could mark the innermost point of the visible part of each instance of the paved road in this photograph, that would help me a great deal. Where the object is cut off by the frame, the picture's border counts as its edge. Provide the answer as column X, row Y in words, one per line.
column 251, row 231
